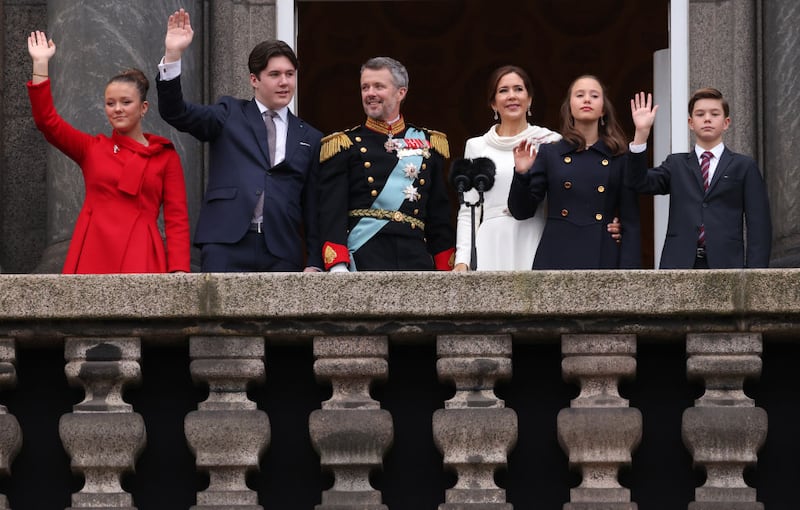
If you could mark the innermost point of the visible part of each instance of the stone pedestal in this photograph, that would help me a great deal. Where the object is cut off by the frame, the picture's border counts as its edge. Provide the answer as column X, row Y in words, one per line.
column 103, row 436
column 474, row 431
column 351, row 432
column 227, row 433
column 724, row 430
column 599, row 431
column 10, row 433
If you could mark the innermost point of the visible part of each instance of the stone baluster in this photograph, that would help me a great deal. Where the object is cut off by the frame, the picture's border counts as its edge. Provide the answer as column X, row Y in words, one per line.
column 724, row 430
column 10, row 433
column 475, row 431
column 351, row 433
column 102, row 435
column 227, row 433
column 599, row 431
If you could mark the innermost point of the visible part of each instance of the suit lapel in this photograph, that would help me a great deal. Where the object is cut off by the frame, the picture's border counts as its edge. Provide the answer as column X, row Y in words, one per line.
column 294, row 134
column 724, row 160
column 256, row 122
column 694, row 168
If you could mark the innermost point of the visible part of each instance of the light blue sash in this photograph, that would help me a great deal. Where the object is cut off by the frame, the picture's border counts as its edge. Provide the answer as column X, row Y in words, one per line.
column 390, row 198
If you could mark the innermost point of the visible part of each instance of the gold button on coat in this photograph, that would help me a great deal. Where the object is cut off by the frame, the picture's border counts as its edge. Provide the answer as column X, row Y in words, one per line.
column 604, row 162
column 374, row 193
column 598, row 216
column 424, row 166
column 601, row 189
column 564, row 212
column 358, row 138
column 367, row 164
column 370, row 179
column 567, row 185
column 422, row 182
column 363, row 150
column 567, row 160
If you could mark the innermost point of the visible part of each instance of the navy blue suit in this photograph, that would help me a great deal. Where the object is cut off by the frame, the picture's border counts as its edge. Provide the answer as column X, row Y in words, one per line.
column 584, row 191
column 736, row 191
column 240, row 171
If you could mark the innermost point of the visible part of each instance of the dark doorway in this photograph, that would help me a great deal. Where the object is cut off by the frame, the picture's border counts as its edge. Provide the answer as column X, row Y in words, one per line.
column 451, row 46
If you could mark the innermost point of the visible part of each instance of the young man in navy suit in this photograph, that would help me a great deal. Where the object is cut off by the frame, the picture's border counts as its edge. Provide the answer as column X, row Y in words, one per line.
column 259, row 212
column 713, row 191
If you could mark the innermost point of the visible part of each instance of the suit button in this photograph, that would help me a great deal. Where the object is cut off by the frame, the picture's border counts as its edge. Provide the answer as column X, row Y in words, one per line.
column 424, row 166
column 363, row 150
column 567, row 185
column 374, row 193
column 358, row 138
column 367, row 164
column 601, row 189
column 604, row 162
column 564, row 213
column 422, row 182
column 370, row 179
column 567, row 160
column 598, row 216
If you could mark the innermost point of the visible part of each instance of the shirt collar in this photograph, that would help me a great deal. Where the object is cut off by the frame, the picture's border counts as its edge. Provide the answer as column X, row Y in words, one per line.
column 716, row 151
column 283, row 113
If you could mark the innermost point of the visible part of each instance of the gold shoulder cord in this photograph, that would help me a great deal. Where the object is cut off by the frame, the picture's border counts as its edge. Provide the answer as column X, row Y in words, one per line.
column 333, row 144
column 439, row 143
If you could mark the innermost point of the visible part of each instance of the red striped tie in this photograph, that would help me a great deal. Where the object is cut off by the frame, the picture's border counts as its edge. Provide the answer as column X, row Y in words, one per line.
column 705, row 163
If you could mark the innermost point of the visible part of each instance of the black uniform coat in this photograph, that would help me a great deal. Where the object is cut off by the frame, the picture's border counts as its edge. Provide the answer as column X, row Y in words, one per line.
column 736, row 190
column 354, row 176
column 585, row 191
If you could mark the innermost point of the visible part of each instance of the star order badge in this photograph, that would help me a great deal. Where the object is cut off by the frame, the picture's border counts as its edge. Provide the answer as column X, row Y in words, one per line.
column 411, row 193
column 411, row 171
column 390, row 145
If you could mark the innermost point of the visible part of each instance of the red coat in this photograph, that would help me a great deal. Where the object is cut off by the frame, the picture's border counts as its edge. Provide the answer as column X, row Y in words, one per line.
column 126, row 184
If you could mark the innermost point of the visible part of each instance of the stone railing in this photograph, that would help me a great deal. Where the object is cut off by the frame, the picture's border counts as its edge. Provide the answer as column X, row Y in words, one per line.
column 351, row 321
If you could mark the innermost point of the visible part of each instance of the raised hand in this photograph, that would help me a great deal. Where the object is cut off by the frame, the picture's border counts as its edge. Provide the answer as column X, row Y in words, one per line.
column 179, row 35
column 524, row 156
column 643, row 114
column 39, row 48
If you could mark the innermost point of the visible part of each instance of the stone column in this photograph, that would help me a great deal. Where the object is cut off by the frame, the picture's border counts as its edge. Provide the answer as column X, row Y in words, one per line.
column 599, row 431
column 724, row 430
column 95, row 41
column 782, row 127
column 227, row 433
column 10, row 433
column 102, row 435
column 474, row 431
column 351, row 432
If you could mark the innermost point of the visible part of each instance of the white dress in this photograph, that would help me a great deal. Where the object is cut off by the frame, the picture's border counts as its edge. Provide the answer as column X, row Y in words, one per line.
column 502, row 243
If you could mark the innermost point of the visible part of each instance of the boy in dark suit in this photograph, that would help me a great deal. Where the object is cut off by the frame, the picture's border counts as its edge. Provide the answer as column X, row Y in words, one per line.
column 262, row 180
column 713, row 191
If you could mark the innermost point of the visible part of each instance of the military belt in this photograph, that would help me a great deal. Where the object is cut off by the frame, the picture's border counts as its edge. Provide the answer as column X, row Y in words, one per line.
column 383, row 214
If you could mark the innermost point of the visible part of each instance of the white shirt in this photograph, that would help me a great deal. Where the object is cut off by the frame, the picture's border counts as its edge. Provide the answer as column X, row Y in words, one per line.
column 712, row 164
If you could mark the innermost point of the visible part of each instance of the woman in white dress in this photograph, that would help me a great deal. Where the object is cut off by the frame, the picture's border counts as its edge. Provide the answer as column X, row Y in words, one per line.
column 502, row 243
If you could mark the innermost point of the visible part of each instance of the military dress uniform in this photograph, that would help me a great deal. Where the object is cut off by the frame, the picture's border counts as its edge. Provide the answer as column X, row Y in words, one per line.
column 585, row 190
column 383, row 201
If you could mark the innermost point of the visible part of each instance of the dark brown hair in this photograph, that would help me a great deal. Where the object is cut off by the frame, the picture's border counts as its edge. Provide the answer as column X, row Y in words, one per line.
column 608, row 126
column 498, row 74
column 260, row 55
column 136, row 77
column 708, row 93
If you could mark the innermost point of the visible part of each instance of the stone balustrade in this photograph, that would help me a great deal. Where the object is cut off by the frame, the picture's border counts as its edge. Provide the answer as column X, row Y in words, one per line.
column 106, row 325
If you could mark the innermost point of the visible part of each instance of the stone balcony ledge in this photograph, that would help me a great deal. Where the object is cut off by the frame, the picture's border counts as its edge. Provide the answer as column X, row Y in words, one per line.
column 405, row 305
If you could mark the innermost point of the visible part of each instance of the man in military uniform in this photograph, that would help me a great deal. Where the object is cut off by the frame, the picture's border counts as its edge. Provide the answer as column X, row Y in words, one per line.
column 383, row 201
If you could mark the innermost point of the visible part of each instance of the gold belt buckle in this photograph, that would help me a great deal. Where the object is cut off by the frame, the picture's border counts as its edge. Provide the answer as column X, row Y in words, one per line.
column 397, row 216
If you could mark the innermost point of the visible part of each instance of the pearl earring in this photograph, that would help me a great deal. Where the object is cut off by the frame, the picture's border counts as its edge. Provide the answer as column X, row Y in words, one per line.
column 495, row 114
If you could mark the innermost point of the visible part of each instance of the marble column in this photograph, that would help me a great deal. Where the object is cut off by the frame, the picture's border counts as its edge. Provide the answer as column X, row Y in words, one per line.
column 782, row 127
column 96, row 40
column 227, row 433
column 351, row 432
column 599, row 431
column 10, row 432
column 102, row 435
column 724, row 430
column 475, row 431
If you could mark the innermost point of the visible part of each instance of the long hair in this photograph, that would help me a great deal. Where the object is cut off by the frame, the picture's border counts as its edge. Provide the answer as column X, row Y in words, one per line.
column 608, row 127
column 498, row 73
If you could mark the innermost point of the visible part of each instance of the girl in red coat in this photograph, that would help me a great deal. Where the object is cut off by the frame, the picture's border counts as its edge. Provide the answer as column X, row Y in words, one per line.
column 127, row 177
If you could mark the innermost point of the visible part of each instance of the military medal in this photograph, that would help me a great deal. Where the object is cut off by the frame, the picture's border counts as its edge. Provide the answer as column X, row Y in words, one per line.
column 389, row 145
column 411, row 193
column 411, row 171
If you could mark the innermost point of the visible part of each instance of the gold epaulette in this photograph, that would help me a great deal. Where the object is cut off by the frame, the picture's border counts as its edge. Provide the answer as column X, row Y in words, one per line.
column 439, row 142
column 333, row 144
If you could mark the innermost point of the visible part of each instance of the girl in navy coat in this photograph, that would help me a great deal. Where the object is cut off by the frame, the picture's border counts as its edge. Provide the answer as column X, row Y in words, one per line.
column 582, row 178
